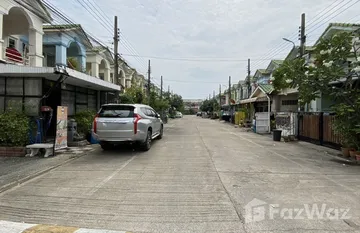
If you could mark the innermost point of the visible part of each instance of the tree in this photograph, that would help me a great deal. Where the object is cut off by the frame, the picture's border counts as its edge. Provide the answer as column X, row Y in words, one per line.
column 210, row 106
column 177, row 102
column 332, row 73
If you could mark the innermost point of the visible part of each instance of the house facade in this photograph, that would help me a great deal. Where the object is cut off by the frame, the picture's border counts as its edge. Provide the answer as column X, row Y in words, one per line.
column 50, row 65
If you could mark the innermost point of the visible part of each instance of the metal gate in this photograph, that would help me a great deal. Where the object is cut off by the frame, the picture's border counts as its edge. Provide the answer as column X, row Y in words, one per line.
column 262, row 122
column 317, row 127
column 287, row 122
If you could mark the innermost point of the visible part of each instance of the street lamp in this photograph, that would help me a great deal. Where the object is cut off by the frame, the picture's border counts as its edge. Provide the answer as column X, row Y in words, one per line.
column 290, row 41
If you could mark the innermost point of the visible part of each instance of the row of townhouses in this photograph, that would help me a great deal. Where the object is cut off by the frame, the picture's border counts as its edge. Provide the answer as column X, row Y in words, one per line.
column 32, row 46
column 257, row 90
column 266, row 108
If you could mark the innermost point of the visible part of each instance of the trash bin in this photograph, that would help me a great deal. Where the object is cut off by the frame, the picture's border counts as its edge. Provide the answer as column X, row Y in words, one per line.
column 277, row 135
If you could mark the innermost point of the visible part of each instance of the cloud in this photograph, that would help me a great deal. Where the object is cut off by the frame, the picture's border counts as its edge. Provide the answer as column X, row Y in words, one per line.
column 214, row 29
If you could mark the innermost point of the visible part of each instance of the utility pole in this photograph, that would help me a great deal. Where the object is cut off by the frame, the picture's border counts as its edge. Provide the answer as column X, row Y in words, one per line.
column 213, row 94
column 302, row 35
column 302, row 44
column 220, row 95
column 248, row 72
column 169, row 89
column 229, row 89
column 116, row 48
column 149, row 83
column 161, row 88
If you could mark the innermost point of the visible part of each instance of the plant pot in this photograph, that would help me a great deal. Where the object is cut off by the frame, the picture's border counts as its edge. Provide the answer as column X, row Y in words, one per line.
column 358, row 157
column 352, row 153
column 345, row 151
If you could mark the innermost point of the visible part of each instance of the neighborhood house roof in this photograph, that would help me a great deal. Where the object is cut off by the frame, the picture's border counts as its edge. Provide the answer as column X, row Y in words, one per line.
column 275, row 63
column 60, row 27
column 267, row 88
column 260, row 72
column 333, row 27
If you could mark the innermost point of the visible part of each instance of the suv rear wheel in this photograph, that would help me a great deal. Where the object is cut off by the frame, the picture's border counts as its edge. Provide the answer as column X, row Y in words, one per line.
column 146, row 145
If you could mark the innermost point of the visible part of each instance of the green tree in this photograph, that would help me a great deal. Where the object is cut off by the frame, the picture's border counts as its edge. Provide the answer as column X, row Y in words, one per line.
column 210, row 106
column 332, row 73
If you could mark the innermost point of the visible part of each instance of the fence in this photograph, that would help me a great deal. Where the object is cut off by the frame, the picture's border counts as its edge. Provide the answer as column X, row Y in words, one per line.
column 317, row 127
column 287, row 122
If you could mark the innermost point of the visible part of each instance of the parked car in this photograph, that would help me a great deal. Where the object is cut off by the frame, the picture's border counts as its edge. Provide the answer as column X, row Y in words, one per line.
column 127, row 123
column 178, row 115
column 199, row 114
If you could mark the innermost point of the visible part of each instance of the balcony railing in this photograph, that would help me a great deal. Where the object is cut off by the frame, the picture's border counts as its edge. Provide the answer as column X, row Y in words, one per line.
column 11, row 55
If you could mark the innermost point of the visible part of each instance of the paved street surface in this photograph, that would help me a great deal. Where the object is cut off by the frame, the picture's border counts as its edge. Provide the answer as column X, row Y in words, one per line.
column 199, row 178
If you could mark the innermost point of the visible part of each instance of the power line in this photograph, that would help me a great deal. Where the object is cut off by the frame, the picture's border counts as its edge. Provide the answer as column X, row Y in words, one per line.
column 335, row 15
column 91, row 12
column 275, row 51
column 191, row 59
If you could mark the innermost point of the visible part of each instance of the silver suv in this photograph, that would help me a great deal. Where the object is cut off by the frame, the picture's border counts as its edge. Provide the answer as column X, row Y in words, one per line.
column 134, row 123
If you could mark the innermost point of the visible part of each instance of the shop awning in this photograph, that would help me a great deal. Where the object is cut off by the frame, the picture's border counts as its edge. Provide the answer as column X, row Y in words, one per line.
column 246, row 101
column 75, row 78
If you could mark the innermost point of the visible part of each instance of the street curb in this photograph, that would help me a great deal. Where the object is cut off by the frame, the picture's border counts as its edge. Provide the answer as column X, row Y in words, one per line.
column 34, row 175
column 16, row 227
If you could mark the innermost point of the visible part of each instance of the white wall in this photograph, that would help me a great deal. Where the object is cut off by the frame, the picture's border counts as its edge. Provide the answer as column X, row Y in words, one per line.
column 288, row 108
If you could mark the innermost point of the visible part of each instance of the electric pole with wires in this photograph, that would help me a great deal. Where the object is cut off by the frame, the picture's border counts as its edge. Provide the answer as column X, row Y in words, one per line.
column 249, row 81
column 116, row 52
column 302, row 36
column 149, row 82
column 161, row 88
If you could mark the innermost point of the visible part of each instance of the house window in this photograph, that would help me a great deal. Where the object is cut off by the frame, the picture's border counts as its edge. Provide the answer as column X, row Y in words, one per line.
column 12, row 42
column 289, row 102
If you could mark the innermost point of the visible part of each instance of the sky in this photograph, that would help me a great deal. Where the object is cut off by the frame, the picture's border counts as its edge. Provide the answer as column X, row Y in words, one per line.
column 197, row 44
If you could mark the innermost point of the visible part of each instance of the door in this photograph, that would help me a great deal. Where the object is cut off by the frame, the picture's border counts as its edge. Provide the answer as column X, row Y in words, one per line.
column 157, row 121
column 115, row 122
column 151, row 114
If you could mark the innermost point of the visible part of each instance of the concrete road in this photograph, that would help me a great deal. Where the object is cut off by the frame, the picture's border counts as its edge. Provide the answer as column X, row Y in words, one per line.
column 203, row 176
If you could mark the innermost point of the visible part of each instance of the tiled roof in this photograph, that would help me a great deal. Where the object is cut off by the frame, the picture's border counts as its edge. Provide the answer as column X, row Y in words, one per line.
column 279, row 62
column 262, row 71
column 267, row 88
column 344, row 25
column 62, row 26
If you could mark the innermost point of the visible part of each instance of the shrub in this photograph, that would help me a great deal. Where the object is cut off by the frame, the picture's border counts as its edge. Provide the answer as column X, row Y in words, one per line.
column 14, row 127
column 84, row 121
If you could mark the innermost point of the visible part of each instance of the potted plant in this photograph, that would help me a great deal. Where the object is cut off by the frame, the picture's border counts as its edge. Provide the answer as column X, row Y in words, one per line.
column 352, row 152
column 357, row 155
column 14, row 133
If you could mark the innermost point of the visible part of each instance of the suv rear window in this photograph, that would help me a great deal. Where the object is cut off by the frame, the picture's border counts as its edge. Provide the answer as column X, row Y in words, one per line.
column 118, row 111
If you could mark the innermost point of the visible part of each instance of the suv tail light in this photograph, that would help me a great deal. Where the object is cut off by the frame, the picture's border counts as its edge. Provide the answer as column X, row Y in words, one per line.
column 95, row 122
column 137, row 117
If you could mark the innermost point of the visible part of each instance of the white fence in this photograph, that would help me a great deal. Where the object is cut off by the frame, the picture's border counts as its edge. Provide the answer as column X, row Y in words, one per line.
column 287, row 122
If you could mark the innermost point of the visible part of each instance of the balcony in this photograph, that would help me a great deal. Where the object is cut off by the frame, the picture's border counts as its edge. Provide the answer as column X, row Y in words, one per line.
column 13, row 56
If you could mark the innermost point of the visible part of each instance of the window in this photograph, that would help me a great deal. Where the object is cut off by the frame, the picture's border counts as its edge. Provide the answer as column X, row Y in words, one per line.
column 148, row 112
column 2, row 104
column 14, row 86
column 68, row 99
column 289, row 102
column 33, row 86
column 152, row 112
column 32, row 106
column 12, row 42
column 2, row 86
column 14, row 103
column 92, row 102
column 119, row 111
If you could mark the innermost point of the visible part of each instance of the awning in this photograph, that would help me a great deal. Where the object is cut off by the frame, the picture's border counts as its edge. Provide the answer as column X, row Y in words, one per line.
column 246, row 101
column 75, row 78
